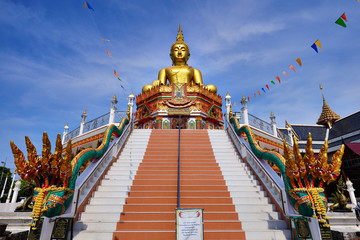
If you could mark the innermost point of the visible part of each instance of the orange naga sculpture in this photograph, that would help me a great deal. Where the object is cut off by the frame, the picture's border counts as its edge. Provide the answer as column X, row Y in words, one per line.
column 179, row 90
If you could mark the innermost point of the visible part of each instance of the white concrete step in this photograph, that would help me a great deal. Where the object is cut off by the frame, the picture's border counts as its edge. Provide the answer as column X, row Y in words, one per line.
column 101, row 215
column 258, row 216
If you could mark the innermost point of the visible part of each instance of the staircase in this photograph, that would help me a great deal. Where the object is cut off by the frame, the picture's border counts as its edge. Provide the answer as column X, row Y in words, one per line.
column 103, row 211
column 258, row 216
column 138, row 196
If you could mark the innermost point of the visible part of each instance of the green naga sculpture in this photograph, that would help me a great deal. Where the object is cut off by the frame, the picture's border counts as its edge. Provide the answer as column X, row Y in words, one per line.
column 54, row 175
column 304, row 178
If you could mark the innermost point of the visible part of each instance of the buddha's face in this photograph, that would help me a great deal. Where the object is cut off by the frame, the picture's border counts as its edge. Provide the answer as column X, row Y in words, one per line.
column 179, row 53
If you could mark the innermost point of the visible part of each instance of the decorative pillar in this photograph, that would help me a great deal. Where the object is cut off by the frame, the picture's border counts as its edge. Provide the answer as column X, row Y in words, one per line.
column 198, row 121
column 16, row 191
column 82, row 123
column 351, row 191
column 66, row 129
column 11, row 188
column 158, row 122
column 228, row 106
column 113, row 108
column 273, row 124
column 244, row 110
column 131, row 105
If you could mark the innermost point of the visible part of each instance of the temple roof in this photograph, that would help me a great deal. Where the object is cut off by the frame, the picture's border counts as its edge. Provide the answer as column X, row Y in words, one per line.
column 317, row 132
column 346, row 125
column 327, row 116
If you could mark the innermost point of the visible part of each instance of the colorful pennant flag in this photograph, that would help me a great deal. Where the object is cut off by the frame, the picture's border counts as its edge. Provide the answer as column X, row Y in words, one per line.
column 259, row 93
column 263, row 90
column 108, row 53
column 122, row 87
column 254, row 95
column 104, row 39
column 299, row 62
column 87, row 5
column 314, row 47
column 317, row 42
column 267, row 86
column 344, row 17
column 117, row 75
column 273, row 82
column 284, row 73
column 340, row 22
column 278, row 79
column 248, row 99
column 292, row 68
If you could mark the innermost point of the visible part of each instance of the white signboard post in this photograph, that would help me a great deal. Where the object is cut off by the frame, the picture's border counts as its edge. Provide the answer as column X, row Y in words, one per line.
column 189, row 224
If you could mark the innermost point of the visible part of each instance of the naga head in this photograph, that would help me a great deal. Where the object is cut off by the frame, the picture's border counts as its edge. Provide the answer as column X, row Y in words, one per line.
column 50, row 173
column 307, row 176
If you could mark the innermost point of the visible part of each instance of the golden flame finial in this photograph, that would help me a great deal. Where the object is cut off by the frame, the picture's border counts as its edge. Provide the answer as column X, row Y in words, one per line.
column 180, row 36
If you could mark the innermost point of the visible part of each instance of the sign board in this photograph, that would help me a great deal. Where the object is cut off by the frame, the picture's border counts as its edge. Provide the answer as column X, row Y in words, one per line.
column 189, row 224
column 61, row 228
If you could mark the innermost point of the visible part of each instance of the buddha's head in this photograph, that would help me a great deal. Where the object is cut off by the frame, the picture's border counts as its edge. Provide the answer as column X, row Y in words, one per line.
column 179, row 52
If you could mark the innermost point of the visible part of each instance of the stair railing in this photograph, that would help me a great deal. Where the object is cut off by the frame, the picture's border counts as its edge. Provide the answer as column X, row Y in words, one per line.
column 95, row 171
column 269, row 178
column 178, row 177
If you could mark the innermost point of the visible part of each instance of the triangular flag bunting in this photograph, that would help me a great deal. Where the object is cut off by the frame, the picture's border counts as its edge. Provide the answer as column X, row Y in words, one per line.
column 108, row 53
column 248, row 99
column 278, row 78
column 314, row 47
column 263, row 90
column 292, row 68
column 284, row 73
column 267, row 86
column 87, row 5
column 299, row 62
column 344, row 17
column 255, row 93
column 273, row 82
column 104, row 39
column 116, row 73
column 340, row 22
column 317, row 42
column 259, row 93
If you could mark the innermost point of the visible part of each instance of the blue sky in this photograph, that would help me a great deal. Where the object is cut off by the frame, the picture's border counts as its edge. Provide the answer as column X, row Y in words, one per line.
column 53, row 64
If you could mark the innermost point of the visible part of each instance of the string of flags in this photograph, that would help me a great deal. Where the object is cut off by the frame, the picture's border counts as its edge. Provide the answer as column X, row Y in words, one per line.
column 315, row 46
column 87, row 5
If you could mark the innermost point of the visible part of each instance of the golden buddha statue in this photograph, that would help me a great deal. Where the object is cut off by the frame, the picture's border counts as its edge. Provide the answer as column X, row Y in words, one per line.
column 180, row 72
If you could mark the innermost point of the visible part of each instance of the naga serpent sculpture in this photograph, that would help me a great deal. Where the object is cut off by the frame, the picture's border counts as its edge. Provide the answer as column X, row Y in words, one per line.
column 54, row 175
column 304, row 178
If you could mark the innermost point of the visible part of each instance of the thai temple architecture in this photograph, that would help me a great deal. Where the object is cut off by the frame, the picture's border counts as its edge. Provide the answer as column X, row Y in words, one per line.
column 178, row 167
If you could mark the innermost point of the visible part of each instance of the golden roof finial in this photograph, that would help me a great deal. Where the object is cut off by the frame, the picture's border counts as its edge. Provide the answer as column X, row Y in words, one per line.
column 114, row 96
column 271, row 114
column 180, row 36
column 84, row 111
column 227, row 94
